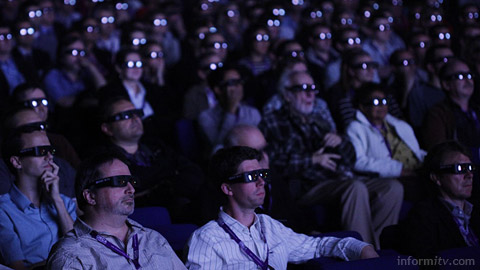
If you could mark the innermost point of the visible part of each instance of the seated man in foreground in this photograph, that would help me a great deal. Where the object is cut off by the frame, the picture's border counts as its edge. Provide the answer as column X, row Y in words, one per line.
column 104, row 238
column 241, row 238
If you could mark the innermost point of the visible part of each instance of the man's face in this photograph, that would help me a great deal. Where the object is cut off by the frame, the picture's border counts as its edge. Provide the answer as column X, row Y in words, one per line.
column 442, row 36
column 115, row 200
column 25, row 34
column 348, row 40
column 106, row 21
column 363, row 69
column 441, row 58
column 41, row 110
column 381, row 28
column 159, row 24
column 72, row 55
column 249, row 195
column 130, row 130
column 419, row 44
column 321, row 39
column 48, row 13
column 301, row 101
column 154, row 56
column 217, row 44
column 404, row 64
column 130, row 70
column 455, row 186
column 261, row 42
column 6, row 40
column 35, row 166
column 232, row 86
column 457, row 84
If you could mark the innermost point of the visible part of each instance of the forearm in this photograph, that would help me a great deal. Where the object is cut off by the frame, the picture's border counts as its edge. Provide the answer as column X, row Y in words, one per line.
column 65, row 221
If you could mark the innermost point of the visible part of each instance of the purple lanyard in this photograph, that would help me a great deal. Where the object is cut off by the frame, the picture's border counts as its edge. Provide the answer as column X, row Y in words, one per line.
column 263, row 265
column 117, row 250
column 472, row 240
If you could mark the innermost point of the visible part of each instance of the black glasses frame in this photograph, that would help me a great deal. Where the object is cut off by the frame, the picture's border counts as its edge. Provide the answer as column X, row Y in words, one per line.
column 457, row 168
column 249, row 177
column 37, row 151
column 114, row 181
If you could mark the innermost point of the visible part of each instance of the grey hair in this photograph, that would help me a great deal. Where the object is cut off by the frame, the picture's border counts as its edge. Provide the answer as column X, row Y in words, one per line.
column 285, row 80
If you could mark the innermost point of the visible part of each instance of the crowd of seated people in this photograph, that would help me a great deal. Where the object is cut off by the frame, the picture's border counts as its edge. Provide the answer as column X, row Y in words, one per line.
column 343, row 100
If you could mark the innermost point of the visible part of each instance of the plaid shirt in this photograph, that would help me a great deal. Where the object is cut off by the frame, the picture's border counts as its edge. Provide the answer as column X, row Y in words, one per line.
column 293, row 140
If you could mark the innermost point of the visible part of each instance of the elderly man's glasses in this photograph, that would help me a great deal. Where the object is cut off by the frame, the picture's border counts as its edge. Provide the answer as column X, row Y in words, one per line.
column 33, row 103
column 376, row 102
column 114, row 181
column 31, row 127
column 457, row 168
column 125, row 115
column 303, row 88
column 133, row 64
column 249, row 177
column 37, row 151
column 460, row 76
column 366, row 65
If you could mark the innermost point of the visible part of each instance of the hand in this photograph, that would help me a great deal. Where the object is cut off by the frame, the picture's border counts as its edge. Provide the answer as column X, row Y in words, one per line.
column 331, row 140
column 234, row 97
column 368, row 252
column 50, row 180
column 326, row 160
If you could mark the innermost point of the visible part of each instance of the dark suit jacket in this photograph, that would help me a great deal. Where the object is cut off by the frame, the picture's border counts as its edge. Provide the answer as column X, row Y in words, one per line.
column 32, row 69
column 430, row 228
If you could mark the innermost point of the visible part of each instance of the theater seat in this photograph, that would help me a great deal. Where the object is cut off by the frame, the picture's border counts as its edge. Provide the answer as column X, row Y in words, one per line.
column 158, row 219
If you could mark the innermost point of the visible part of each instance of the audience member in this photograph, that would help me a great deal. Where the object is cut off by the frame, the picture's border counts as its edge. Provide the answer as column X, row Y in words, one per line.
column 257, row 43
column 447, row 220
column 216, row 122
column 456, row 117
column 33, row 214
column 104, row 237
column 227, row 242
column 165, row 178
column 317, row 161
column 383, row 144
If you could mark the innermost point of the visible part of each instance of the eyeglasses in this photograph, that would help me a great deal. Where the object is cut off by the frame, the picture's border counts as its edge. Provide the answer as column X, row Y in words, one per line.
column 7, row 36
column 232, row 13
column 48, row 10
column 260, row 37
column 443, row 36
column 105, row 20
column 160, row 22
column 125, row 115
column 155, row 54
column 421, row 44
column 133, row 64
column 383, row 27
column 352, row 41
column 323, row 36
column 273, row 23
column 26, row 31
column 219, row 45
column 114, row 181
column 139, row 41
column 70, row 2
column 91, row 28
column 35, row 13
column 457, row 168
column 37, row 151
column 316, row 14
column 444, row 59
column 295, row 54
column 366, row 65
column 31, row 127
column 249, row 177
column 231, row 82
column 76, row 52
column 278, row 12
column 33, row 103
column 121, row 6
column 303, row 88
column 436, row 18
column 404, row 62
column 471, row 15
column 346, row 21
column 460, row 76
column 213, row 66
column 376, row 102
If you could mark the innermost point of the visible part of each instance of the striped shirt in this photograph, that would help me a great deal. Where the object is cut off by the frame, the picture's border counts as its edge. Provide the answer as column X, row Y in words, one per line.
column 210, row 247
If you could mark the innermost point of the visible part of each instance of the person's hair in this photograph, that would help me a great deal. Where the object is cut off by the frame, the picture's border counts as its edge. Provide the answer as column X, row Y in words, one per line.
column 224, row 163
column 365, row 91
column 20, row 91
column 89, row 171
column 106, row 106
column 446, row 70
column 432, row 51
column 10, row 119
column 215, row 77
column 11, row 146
column 437, row 154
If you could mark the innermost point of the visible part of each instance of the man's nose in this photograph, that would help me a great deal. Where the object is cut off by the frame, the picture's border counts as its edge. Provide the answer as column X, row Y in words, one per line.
column 130, row 188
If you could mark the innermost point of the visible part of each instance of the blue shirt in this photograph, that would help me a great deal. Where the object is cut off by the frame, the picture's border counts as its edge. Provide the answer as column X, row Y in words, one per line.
column 26, row 232
column 58, row 85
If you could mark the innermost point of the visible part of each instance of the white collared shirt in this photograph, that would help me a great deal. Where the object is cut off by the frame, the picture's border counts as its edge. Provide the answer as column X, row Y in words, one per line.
column 138, row 99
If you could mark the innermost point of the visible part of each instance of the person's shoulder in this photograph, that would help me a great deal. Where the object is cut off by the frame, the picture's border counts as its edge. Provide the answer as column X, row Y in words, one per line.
column 210, row 233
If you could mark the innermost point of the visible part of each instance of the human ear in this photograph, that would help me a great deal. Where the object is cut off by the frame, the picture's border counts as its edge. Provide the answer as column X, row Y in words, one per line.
column 89, row 196
column 16, row 163
column 226, row 189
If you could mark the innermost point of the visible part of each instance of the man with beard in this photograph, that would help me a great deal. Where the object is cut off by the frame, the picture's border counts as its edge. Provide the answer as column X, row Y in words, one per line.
column 240, row 238
column 104, row 237
column 318, row 163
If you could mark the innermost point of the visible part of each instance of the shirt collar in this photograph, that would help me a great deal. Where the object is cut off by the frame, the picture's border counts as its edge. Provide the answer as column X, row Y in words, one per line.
column 233, row 223
column 18, row 198
column 456, row 211
column 81, row 228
